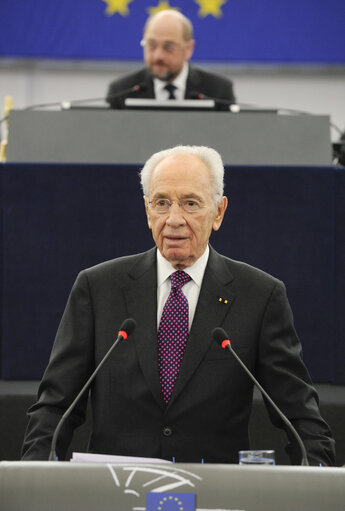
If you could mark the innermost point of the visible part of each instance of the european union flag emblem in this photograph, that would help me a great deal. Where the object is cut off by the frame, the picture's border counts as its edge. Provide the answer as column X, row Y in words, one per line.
column 170, row 502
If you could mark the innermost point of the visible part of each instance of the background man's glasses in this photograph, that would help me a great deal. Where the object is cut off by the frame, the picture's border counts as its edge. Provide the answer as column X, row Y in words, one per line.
column 167, row 47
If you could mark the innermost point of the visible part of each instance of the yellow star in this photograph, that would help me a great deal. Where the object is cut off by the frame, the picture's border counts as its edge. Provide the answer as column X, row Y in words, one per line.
column 162, row 6
column 114, row 6
column 212, row 7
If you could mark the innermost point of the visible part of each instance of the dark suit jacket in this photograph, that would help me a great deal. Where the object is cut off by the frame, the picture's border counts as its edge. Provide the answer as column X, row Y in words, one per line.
column 207, row 416
column 198, row 81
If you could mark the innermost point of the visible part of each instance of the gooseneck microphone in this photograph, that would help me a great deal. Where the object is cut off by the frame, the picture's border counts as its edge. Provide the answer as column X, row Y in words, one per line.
column 138, row 87
column 222, row 338
column 218, row 101
column 66, row 105
column 126, row 329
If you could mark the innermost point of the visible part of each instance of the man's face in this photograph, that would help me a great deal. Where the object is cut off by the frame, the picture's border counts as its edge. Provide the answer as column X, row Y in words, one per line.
column 165, row 49
column 182, row 236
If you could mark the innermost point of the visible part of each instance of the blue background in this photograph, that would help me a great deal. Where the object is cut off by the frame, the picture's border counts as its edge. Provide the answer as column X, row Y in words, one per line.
column 258, row 31
column 60, row 218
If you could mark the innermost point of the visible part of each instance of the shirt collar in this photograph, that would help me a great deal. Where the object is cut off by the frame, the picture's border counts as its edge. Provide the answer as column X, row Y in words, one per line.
column 196, row 271
column 179, row 82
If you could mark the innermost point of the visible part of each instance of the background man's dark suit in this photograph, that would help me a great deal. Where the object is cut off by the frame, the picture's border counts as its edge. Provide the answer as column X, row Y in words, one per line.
column 198, row 82
column 207, row 416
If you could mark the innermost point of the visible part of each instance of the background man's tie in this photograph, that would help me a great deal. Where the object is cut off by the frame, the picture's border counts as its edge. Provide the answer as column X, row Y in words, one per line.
column 173, row 333
column 171, row 89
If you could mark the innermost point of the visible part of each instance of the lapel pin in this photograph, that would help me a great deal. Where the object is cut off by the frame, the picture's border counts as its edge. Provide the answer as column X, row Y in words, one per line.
column 223, row 300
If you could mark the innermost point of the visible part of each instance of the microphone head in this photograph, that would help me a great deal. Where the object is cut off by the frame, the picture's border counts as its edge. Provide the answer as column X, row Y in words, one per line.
column 140, row 87
column 221, row 337
column 197, row 95
column 127, row 327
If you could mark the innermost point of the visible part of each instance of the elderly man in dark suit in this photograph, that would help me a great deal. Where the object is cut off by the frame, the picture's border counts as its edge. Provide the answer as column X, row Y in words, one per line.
column 168, row 46
column 170, row 391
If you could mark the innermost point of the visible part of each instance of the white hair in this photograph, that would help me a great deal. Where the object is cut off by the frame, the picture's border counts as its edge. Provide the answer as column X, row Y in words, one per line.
column 210, row 157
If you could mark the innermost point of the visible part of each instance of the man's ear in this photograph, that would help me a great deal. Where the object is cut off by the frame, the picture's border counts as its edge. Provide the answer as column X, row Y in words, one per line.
column 221, row 208
column 147, row 209
column 189, row 50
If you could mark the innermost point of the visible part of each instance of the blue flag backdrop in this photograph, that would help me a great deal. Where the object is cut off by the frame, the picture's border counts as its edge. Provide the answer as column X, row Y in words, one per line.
column 258, row 31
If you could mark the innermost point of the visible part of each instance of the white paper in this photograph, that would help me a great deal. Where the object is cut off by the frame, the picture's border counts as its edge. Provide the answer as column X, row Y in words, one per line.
column 87, row 457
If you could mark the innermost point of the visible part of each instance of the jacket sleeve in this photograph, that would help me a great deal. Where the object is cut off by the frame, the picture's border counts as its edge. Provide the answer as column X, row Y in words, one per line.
column 283, row 374
column 71, row 363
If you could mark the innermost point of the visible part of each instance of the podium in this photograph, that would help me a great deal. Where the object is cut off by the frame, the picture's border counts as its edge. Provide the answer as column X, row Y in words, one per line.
column 131, row 136
column 122, row 487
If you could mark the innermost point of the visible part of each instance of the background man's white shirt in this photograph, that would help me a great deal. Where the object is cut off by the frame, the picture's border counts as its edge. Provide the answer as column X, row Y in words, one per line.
column 180, row 83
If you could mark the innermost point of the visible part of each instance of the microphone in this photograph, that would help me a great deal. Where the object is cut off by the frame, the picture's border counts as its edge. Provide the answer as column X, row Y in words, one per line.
column 230, row 104
column 221, row 337
column 126, row 329
column 66, row 105
column 142, row 86
column 139, row 87
column 235, row 107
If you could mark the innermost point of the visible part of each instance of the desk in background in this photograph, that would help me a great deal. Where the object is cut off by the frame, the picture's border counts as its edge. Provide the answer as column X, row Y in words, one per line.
column 131, row 136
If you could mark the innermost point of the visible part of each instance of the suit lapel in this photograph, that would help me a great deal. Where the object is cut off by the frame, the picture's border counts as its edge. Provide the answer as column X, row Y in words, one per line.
column 193, row 83
column 149, row 92
column 141, row 299
column 214, row 304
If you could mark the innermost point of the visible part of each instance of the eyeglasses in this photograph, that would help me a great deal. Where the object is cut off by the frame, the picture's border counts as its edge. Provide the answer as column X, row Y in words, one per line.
column 167, row 46
column 162, row 206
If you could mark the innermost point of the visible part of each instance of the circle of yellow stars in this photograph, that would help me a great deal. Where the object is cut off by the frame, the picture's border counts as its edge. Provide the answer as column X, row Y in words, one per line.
column 206, row 7
column 167, row 499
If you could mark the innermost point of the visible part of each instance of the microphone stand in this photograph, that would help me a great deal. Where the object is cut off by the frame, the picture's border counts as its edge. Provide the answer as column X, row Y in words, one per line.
column 222, row 338
column 127, row 328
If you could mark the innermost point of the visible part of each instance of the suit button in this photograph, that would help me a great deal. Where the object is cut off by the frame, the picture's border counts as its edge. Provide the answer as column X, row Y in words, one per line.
column 167, row 431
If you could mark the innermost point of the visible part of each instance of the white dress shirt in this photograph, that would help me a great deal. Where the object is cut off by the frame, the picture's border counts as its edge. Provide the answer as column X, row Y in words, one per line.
column 180, row 83
column 191, row 290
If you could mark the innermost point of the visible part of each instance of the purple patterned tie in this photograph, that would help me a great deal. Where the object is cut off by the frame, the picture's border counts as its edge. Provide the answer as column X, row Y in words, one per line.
column 173, row 333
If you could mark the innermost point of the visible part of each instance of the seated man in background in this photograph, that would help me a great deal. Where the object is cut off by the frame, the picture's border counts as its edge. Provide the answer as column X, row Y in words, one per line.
column 168, row 46
column 170, row 391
